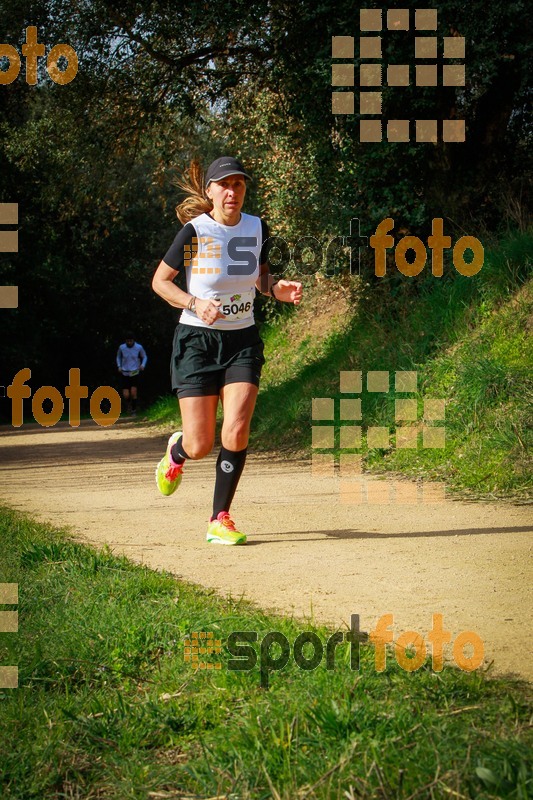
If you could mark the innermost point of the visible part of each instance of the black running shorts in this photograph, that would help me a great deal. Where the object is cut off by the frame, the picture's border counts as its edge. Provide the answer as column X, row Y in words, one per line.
column 129, row 381
column 205, row 360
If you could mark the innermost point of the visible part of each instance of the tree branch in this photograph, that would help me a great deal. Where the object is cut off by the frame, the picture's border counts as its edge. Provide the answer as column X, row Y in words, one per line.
column 204, row 53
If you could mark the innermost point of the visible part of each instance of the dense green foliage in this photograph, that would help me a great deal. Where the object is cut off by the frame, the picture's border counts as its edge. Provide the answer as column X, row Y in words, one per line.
column 91, row 163
column 107, row 707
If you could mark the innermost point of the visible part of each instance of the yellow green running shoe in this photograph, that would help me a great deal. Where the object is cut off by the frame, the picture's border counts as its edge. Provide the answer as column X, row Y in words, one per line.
column 167, row 474
column 222, row 531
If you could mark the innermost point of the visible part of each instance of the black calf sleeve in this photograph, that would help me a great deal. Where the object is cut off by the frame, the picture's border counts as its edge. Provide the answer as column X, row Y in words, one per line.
column 230, row 464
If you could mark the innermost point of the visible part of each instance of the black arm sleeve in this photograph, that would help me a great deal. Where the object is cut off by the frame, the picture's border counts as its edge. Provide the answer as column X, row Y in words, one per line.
column 265, row 247
column 175, row 254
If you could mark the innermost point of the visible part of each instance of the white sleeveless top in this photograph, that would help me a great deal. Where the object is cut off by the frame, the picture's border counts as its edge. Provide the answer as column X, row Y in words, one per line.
column 223, row 263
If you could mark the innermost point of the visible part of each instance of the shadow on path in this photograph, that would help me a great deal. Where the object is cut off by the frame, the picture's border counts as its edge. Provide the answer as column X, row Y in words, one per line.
column 302, row 536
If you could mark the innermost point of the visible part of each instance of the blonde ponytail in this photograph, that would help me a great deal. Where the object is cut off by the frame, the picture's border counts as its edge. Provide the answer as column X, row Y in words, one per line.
column 197, row 201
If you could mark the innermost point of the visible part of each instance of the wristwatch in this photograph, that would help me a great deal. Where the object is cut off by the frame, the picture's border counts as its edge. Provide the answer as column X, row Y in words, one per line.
column 192, row 305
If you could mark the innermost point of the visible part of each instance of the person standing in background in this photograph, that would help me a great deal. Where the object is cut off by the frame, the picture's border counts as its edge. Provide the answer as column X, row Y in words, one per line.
column 131, row 361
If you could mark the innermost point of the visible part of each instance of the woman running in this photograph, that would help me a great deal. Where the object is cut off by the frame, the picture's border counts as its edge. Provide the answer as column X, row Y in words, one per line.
column 217, row 351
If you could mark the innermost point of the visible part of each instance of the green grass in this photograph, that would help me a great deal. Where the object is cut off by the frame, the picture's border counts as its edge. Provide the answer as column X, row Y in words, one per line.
column 487, row 380
column 165, row 411
column 108, row 708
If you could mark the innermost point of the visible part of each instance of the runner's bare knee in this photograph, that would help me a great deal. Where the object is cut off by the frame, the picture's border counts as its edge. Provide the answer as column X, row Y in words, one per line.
column 198, row 447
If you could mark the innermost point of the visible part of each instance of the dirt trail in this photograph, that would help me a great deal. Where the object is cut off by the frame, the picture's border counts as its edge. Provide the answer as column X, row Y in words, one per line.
column 308, row 553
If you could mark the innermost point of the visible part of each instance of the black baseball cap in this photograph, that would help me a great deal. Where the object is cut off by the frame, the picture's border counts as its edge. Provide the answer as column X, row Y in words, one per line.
column 222, row 167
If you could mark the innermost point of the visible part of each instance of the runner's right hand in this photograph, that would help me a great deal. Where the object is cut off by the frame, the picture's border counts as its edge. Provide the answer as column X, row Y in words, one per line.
column 207, row 310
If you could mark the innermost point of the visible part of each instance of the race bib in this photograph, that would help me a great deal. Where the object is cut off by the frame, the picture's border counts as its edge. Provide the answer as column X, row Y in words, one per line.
column 236, row 306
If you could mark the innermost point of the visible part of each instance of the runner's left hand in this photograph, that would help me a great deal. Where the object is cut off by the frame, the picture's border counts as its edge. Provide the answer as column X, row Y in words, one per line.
column 288, row 291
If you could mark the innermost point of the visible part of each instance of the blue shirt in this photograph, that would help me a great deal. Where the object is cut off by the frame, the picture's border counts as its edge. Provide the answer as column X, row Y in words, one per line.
column 131, row 359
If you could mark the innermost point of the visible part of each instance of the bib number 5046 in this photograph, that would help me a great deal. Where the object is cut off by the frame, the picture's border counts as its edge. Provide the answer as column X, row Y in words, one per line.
column 235, row 308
